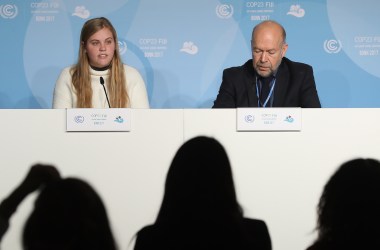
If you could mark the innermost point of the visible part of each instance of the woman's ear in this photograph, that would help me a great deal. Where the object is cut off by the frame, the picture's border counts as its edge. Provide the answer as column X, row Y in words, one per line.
column 84, row 47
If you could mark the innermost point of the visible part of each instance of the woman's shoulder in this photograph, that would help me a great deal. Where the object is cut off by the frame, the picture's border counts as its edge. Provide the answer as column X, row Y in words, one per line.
column 133, row 76
column 130, row 69
column 65, row 76
column 68, row 68
column 66, row 71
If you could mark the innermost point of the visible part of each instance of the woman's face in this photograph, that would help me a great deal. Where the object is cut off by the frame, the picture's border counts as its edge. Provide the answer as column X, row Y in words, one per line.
column 100, row 48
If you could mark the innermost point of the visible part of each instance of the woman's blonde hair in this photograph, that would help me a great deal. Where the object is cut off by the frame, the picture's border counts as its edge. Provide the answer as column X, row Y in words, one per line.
column 80, row 73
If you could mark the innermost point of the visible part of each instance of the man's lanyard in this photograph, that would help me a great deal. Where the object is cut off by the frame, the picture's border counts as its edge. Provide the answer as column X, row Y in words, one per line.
column 271, row 85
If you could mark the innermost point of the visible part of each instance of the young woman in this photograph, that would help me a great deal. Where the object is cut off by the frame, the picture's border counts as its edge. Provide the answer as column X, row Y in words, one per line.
column 99, row 79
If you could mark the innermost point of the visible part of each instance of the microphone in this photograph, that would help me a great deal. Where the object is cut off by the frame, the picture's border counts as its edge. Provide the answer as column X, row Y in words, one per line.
column 105, row 91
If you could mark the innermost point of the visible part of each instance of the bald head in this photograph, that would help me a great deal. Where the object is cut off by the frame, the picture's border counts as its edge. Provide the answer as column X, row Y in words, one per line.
column 270, row 26
column 268, row 47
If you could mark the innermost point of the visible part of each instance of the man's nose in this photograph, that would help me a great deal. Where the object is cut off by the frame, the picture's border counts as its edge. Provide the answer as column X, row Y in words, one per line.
column 263, row 57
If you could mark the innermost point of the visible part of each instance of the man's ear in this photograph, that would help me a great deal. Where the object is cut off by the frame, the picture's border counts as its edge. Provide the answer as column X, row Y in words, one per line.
column 284, row 49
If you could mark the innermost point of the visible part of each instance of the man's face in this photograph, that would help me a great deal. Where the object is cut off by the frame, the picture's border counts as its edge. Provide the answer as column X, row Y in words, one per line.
column 268, row 49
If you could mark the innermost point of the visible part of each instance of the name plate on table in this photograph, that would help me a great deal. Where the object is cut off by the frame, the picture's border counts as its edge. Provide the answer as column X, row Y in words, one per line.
column 90, row 119
column 269, row 119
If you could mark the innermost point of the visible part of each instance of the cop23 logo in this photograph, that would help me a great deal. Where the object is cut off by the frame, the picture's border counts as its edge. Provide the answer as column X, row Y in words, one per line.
column 8, row 11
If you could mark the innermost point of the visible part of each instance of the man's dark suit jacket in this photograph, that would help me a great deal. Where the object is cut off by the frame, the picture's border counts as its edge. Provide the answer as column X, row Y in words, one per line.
column 252, row 234
column 295, row 86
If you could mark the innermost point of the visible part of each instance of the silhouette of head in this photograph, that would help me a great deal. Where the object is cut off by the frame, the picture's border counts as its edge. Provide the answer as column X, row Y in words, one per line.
column 68, row 215
column 349, row 208
column 199, row 184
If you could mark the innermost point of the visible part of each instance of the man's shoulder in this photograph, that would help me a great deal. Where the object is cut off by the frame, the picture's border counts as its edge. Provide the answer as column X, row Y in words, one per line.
column 295, row 65
column 235, row 69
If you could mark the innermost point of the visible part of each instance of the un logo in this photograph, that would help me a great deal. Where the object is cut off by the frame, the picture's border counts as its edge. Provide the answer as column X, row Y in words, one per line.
column 332, row 46
column 122, row 47
column 249, row 118
column 79, row 119
column 8, row 11
column 224, row 11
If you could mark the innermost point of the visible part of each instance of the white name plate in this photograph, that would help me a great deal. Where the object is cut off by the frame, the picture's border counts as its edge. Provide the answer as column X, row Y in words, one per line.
column 98, row 119
column 269, row 119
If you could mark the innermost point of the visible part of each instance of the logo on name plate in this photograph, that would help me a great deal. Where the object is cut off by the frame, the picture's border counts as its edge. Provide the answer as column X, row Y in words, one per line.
column 8, row 11
column 249, row 118
column 224, row 11
column 289, row 119
column 79, row 119
column 119, row 119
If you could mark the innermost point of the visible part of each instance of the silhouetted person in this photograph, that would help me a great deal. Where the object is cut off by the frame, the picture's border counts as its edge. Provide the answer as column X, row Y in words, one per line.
column 349, row 208
column 68, row 213
column 199, row 209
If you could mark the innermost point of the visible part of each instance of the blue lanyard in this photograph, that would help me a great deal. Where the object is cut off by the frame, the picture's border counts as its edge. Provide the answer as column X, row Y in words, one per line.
column 272, row 84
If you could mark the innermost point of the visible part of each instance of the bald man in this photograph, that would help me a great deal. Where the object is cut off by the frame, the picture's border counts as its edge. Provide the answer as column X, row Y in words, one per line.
column 269, row 79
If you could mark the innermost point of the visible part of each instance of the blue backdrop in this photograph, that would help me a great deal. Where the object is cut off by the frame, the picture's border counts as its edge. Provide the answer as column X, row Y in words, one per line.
column 181, row 47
